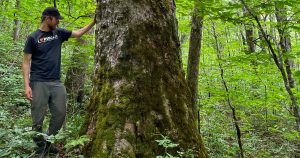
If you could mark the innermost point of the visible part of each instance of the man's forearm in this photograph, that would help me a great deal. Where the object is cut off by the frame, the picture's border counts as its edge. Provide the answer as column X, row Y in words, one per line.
column 87, row 28
column 80, row 32
column 25, row 68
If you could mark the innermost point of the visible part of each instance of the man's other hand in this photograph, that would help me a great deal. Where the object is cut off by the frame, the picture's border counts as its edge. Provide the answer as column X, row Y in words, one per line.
column 28, row 93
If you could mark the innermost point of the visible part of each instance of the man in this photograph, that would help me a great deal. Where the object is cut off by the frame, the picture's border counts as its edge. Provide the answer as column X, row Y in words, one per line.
column 42, row 55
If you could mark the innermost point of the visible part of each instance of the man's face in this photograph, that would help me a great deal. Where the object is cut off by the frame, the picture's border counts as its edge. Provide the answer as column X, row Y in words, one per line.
column 52, row 22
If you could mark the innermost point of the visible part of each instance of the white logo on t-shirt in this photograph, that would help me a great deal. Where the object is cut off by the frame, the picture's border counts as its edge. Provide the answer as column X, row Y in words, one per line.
column 47, row 39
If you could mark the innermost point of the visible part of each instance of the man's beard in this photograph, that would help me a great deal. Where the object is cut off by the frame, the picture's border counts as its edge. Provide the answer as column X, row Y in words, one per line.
column 52, row 27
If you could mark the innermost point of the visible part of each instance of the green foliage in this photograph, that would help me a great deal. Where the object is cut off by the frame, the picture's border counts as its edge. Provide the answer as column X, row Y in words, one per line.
column 80, row 141
column 255, row 85
column 14, row 134
column 256, row 91
column 15, row 120
column 11, row 86
column 166, row 143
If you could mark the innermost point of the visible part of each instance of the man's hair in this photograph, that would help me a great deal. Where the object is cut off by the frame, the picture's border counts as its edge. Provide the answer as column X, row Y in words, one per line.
column 43, row 18
column 52, row 12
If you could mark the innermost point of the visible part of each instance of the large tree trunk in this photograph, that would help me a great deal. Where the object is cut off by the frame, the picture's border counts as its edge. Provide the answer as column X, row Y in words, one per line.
column 139, row 88
column 194, row 55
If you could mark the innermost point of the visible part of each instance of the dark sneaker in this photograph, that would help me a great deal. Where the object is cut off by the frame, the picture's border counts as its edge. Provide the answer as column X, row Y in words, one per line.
column 40, row 152
column 40, row 146
column 51, row 149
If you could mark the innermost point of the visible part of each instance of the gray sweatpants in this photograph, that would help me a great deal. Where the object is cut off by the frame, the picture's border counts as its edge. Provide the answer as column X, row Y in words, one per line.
column 44, row 95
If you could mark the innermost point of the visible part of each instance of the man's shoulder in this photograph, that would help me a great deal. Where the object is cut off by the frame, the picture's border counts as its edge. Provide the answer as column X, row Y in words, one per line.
column 63, row 33
column 34, row 34
column 59, row 30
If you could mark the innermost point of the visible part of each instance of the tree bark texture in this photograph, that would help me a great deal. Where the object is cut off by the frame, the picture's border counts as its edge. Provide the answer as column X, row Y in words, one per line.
column 194, row 53
column 249, row 34
column 194, row 56
column 139, row 89
column 17, row 24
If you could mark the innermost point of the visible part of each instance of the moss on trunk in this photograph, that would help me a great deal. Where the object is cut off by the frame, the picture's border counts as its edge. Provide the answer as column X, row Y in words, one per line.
column 139, row 88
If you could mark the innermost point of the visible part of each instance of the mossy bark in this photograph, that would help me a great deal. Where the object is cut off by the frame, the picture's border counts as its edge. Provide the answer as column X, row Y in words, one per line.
column 139, row 88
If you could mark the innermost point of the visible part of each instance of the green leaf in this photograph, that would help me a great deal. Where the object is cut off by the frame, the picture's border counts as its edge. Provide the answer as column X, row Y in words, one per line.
column 297, row 74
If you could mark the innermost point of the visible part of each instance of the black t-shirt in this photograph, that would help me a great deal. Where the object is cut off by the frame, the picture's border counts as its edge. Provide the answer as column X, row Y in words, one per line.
column 45, row 48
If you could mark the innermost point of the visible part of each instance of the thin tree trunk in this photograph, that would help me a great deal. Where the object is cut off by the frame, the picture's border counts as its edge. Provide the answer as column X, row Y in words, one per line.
column 139, row 90
column 249, row 34
column 285, row 48
column 243, row 37
column 285, row 43
column 284, row 72
column 194, row 55
column 281, row 68
column 54, row 4
column 235, row 120
column 261, row 38
column 17, row 24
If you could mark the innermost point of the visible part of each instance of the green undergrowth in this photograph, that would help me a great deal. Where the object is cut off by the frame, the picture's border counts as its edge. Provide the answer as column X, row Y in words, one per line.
column 166, row 143
column 16, row 133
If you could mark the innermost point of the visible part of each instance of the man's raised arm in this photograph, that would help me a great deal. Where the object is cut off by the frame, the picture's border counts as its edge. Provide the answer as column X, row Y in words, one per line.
column 80, row 32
